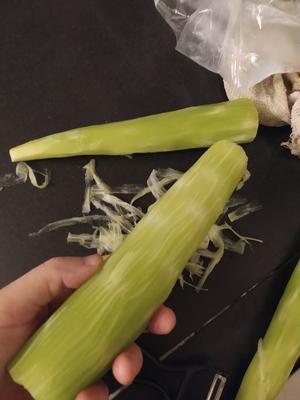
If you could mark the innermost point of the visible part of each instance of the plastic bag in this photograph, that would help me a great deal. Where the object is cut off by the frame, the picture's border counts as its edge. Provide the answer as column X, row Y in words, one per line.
column 245, row 41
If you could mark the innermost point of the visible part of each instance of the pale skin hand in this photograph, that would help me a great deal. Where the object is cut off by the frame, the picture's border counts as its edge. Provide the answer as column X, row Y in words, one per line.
column 27, row 302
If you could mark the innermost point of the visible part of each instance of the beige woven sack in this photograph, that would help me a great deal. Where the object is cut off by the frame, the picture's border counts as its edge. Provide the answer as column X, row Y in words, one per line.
column 277, row 99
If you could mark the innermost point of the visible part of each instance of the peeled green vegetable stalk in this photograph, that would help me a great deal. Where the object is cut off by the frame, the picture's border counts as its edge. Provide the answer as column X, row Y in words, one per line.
column 278, row 352
column 192, row 127
column 77, row 344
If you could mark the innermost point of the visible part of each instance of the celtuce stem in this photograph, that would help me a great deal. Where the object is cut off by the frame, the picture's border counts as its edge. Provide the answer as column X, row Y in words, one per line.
column 76, row 346
column 192, row 127
column 279, row 350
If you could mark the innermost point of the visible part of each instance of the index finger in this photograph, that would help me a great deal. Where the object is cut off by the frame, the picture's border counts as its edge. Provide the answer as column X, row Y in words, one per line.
column 163, row 321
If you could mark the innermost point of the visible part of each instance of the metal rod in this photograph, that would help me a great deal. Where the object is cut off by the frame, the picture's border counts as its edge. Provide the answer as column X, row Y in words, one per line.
column 217, row 387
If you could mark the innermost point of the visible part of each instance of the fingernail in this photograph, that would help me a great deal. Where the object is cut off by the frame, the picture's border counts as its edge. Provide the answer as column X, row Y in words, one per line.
column 93, row 261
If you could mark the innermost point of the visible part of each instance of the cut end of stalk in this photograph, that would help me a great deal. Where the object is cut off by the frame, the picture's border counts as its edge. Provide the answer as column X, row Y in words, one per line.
column 13, row 155
column 23, row 152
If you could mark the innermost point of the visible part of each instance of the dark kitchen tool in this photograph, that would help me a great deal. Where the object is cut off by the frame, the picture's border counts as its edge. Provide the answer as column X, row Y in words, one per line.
column 177, row 382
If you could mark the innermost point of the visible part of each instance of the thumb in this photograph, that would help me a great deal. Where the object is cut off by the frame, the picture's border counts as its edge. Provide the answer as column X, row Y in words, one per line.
column 25, row 297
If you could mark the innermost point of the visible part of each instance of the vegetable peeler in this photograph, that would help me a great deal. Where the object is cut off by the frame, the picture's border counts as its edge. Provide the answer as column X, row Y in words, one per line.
column 186, row 381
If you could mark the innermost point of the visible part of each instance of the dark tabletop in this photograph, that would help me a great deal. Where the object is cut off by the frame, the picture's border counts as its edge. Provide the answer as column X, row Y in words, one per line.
column 67, row 64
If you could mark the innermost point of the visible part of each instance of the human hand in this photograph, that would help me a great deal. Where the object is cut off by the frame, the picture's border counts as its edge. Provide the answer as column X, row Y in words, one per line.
column 27, row 302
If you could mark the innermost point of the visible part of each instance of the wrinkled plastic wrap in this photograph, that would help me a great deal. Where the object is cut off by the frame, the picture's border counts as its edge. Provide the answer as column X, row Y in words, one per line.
column 245, row 41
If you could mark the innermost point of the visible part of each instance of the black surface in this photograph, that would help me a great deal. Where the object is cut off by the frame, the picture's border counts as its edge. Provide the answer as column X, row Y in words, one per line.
column 67, row 64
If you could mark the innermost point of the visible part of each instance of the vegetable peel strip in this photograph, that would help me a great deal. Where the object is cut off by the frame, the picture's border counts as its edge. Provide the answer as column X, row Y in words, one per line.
column 118, row 218
column 22, row 174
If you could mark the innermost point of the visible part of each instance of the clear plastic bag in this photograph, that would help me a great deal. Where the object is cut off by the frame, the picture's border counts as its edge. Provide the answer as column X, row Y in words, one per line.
column 245, row 41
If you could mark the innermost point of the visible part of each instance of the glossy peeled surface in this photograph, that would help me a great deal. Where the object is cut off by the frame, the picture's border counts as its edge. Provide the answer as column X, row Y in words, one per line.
column 192, row 127
column 112, row 309
column 66, row 64
column 278, row 351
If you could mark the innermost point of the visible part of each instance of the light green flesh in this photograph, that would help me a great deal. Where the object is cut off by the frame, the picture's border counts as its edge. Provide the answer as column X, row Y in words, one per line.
column 279, row 350
column 77, row 344
column 192, row 127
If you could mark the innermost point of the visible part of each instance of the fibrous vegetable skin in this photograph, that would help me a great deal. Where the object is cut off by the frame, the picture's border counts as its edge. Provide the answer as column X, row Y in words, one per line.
column 24, row 173
column 77, row 344
column 277, row 99
column 118, row 218
column 191, row 127
column 278, row 351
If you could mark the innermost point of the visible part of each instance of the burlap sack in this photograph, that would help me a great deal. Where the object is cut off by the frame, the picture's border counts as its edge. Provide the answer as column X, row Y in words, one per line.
column 277, row 99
